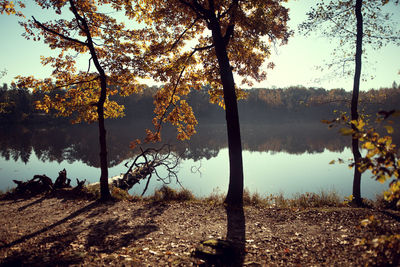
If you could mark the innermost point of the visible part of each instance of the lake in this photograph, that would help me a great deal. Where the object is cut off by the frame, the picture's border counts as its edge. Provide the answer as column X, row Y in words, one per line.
column 287, row 158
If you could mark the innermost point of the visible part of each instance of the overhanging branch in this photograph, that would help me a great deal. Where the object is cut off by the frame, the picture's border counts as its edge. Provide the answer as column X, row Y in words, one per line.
column 182, row 34
column 47, row 29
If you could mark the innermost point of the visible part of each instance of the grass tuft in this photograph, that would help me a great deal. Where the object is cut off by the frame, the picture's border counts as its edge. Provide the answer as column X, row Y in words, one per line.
column 215, row 198
column 166, row 193
column 120, row 194
column 313, row 200
column 305, row 200
column 93, row 192
column 254, row 199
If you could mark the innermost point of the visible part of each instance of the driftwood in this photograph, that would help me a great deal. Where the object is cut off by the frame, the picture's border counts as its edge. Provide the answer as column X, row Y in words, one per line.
column 131, row 178
column 145, row 165
column 62, row 181
column 38, row 184
column 41, row 184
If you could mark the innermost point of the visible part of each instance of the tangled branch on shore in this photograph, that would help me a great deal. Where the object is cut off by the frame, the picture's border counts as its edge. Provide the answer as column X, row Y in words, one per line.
column 147, row 163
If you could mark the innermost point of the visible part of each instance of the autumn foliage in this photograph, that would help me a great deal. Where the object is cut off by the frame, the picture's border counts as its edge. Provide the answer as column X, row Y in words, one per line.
column 116, row 53
column 186, row 55
column 115, row 58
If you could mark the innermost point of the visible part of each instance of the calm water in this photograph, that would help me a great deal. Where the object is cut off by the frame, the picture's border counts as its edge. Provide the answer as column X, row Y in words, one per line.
column 291, row 158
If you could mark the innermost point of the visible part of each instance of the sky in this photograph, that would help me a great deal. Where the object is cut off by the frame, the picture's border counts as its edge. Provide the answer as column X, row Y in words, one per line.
column 295, row 63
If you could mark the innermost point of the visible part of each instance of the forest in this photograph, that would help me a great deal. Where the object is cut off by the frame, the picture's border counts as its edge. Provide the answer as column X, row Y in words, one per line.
column 94, row 108
column 279, row 105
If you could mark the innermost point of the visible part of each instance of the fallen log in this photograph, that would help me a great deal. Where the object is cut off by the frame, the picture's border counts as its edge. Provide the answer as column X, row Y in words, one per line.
column 129, row 179
column 38, row 184
column 143, row 167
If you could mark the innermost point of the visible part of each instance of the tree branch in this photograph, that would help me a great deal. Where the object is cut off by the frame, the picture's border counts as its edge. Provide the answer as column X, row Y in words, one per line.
column 203, row 48
column 182, row 34
column 75, row 83
column 89, row 38
column 231, row 27
column 173, row 92
column 57, row 33
column 199, row 12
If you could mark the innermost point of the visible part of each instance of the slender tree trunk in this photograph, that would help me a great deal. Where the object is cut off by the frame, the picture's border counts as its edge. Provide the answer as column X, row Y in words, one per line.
column 104, row 188
column 235, row 189
column 354, row 104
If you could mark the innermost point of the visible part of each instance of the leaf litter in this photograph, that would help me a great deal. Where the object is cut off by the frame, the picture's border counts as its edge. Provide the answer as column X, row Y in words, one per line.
column 42, row 231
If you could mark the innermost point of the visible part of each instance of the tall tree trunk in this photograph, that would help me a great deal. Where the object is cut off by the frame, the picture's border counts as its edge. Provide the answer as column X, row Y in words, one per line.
column 354, row 104
column 235, row 189
column 104, row 188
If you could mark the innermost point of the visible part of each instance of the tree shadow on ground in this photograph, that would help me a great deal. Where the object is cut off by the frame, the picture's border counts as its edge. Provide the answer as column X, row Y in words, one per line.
column 93, row 231
column 37, row 201
column 32, row 259
column 228, row 252
column 111, row 235
column 151, row 210
column 48, row 228
column 54, row 245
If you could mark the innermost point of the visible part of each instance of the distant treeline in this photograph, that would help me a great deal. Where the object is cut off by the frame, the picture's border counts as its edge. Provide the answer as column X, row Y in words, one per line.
column 294, row 103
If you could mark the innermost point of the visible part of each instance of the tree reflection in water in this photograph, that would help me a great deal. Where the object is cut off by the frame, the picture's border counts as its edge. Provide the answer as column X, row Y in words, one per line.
column 286, row 162
column 76, row 142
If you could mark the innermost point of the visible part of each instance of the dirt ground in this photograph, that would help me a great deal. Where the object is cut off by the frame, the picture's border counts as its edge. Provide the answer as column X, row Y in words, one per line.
column 59, row 231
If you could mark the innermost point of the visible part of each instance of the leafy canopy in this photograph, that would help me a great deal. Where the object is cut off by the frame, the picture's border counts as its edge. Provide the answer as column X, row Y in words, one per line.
column 120, row 51
column 181, row 39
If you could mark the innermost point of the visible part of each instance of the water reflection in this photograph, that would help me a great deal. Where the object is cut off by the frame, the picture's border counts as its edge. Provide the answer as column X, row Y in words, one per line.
column 288, row 158
column 79, row 142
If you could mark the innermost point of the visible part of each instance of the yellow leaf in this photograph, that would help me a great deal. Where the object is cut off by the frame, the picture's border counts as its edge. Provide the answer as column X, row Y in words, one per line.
column 369, row 146
column 389, row 129
column 382, row 178
column 346, row 131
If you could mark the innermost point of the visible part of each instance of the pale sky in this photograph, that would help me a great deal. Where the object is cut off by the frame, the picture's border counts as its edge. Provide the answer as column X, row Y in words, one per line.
column 295, row 63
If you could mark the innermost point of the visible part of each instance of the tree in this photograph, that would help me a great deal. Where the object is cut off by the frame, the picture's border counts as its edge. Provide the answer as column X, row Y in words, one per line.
column 8, row 7
column 354, row 104
column 371, row 27
column 86, row 93
column 226, row 37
